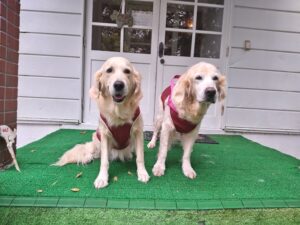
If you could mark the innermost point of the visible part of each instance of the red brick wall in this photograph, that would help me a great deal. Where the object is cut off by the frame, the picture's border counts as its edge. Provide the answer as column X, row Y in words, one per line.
column 9, row 47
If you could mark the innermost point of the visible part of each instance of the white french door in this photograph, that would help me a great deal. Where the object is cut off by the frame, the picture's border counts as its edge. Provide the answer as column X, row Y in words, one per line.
column 166, row 38
column 191, row 31
column 138, row 43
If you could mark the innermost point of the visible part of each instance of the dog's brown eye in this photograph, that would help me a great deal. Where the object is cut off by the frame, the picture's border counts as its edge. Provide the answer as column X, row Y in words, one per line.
column 109, row 70
column 127, row 71
column 199, row 77
column 215, row 78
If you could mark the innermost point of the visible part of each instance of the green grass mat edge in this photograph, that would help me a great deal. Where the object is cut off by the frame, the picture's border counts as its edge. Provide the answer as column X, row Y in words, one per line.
column 68, row 202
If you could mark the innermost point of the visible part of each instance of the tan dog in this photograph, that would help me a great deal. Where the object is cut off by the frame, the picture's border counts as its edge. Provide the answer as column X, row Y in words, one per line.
column 182, row 109
column 117, row 92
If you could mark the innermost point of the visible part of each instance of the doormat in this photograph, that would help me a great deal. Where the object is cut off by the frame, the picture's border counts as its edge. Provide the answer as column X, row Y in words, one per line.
column 202, row 138
column 236, row 173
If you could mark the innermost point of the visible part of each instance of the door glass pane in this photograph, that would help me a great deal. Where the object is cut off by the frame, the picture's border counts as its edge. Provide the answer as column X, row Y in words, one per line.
column 178, row 43
column 209, row 19
column 180, row 16
column 137, row 40
column 207, row 45
column 106, row 38
column 103, row 9
column 142, row 12
column 219, row 2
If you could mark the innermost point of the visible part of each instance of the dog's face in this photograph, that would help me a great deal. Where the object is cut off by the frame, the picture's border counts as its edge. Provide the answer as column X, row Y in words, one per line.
column 204, row 83
column 207, row 82
column 117, row 78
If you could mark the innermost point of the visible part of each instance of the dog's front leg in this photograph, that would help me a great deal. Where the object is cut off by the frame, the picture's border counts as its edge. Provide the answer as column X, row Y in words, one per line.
column 102, row 178
column 159, row 167
column 188, row 141
column 142, row 173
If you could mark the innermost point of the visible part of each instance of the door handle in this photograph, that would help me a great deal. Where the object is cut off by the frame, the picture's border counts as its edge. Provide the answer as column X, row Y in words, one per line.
column 161, row 49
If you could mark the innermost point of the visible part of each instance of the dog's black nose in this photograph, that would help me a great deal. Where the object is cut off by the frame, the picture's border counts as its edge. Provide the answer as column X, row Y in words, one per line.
column 119, row 85
column 210, row 92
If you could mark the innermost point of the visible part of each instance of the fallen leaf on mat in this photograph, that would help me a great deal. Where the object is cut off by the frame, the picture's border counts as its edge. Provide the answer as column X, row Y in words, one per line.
column 39, row 191
column 115, row 178
column 82, row 132
column 79, row 174
column 33, row 150
column 75, row 189
column 129, row 173
column 54, row 183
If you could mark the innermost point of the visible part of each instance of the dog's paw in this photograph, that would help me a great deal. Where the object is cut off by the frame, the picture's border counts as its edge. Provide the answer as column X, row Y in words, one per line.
column 143, row 176
column 158, row 170
column 100, row 182
column 151, row 144
column 189, row 172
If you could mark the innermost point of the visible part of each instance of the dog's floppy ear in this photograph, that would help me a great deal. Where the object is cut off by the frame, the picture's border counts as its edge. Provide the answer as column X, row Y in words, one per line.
column 190, row 94
column 137, row 92
column 96, row 87
column 185, row 92
column 221, row 86
column 185, row 95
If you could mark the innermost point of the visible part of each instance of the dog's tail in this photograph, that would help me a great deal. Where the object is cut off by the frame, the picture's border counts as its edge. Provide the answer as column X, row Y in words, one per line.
column 81, row 153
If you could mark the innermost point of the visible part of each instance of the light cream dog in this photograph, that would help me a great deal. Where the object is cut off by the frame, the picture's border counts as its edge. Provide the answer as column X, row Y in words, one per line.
column 117, row 91
column 182, row 109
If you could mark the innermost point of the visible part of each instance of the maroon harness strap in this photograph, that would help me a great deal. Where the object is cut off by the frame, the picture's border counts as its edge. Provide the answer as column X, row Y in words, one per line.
column 181, row 125
column 166, row 93
column 121, row 134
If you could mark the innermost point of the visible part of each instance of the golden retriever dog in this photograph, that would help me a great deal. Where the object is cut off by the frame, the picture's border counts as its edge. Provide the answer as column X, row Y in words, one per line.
column 182, row 107
column 117, row 91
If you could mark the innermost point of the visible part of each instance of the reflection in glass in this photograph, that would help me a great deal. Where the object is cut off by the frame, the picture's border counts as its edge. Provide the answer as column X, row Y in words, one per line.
column 207, row 46
column 178, row 43
column 218, row 2
column 209, row 19
column 180, row 16
column 137, row 40
column 142, row 12
column 106, row 38
column 103, row 9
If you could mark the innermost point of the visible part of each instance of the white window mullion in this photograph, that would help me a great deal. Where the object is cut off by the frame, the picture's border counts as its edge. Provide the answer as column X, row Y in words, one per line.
column 122, row 40
column 194, row 30
column 122, row 29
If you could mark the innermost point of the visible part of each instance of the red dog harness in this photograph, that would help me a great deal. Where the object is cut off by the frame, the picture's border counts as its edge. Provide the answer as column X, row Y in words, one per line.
column 121, row 134
column 181, row 125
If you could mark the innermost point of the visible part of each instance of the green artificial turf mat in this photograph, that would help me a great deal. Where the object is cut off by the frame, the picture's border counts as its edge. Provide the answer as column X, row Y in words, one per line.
column 209, row 204
column 95, row 203
column 165, row 204
column 6, row 200
column 252, row 204
column 236, row 173
column 232, row 204
column 118, row 203
column 46, row 202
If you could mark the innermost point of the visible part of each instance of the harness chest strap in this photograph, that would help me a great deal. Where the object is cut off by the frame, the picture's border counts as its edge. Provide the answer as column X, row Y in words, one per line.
column 181, row 125
column 121, row 134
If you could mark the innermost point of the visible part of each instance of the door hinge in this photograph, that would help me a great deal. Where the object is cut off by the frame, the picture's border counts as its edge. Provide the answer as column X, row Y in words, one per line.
column 84, row 41
column 227, row 51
